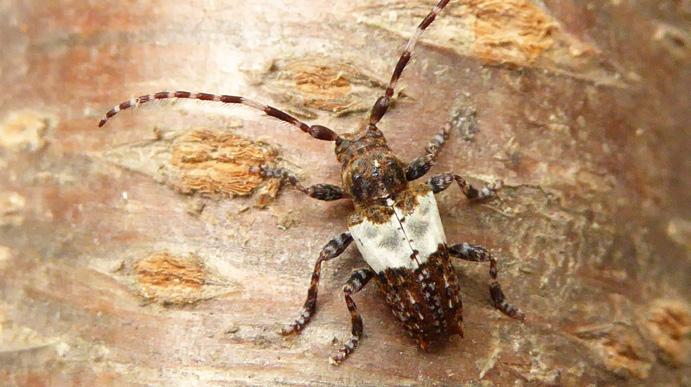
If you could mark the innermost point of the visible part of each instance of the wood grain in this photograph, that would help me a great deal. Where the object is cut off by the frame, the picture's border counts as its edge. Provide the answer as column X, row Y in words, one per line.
column 582, row 109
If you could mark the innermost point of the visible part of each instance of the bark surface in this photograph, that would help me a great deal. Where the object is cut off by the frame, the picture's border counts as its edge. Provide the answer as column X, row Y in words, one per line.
column 144, row 253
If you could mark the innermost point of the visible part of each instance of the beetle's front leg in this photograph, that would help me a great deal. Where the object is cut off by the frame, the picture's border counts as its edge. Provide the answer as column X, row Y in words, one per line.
column 421, row 165
column 326, row 192
column 331, row 250
column 442, row 181
column 358, row 279
column 476, row 253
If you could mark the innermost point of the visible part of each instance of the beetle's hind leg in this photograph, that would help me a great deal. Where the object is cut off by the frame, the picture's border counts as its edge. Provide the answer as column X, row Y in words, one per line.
column 442, row 181
column 476, row 253
column 331, row 250
column 326, row 192
column 358, row 279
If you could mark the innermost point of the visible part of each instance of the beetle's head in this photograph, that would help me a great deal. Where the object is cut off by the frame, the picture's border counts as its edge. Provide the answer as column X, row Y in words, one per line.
column 369, row 170
column 353, row 145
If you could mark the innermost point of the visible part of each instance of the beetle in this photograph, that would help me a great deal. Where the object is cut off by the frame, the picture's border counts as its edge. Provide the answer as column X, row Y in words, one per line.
column 395, row 224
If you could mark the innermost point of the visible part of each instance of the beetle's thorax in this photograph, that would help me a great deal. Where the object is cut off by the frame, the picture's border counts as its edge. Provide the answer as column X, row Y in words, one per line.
column 370, row 171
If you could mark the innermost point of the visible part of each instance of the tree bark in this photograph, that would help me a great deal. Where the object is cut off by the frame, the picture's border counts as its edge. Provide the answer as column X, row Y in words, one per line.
column 145, row 253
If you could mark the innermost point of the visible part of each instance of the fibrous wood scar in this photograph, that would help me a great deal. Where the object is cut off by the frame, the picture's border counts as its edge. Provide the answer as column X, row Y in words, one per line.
column 395, row 224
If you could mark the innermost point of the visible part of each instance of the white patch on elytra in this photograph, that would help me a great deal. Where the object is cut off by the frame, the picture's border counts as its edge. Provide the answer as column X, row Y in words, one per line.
column 392, row 244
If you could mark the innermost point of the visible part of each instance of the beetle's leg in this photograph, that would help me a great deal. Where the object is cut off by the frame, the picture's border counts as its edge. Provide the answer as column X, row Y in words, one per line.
column 476, row 253
column 442, row 181
column 325, row 192
column 331, row 250
column 358, row 279
column 419, row 167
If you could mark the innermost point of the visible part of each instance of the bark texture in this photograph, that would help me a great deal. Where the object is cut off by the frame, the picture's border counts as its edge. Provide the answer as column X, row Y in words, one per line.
column 143, row 253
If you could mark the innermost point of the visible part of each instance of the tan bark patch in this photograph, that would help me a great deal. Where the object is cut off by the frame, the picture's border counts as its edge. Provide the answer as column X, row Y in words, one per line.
column 520, row 32
column 24, row 131
column 510, row 30
column 669, row 326
column 170, row 279
column 217, row 163
column 321, row 83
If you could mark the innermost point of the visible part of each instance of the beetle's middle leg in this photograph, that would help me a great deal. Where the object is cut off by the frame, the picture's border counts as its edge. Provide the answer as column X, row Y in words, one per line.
column 476, row 253
column 442, row 181
column 331, row 250
column 326, row 192
column 358, row 279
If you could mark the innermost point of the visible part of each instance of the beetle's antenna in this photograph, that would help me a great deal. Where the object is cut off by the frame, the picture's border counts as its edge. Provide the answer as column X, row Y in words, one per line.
column 316, row 131
column 382, row 105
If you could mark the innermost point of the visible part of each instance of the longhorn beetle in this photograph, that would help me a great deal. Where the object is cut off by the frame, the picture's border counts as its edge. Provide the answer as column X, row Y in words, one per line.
column 395, row 225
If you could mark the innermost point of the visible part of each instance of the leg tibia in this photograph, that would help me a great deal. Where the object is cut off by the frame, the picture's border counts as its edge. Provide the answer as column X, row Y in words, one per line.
column 358, row 279
column 475, row 253
column 331, row 250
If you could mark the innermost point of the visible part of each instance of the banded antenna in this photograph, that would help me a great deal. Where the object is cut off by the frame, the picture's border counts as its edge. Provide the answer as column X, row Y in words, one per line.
column 317, row 131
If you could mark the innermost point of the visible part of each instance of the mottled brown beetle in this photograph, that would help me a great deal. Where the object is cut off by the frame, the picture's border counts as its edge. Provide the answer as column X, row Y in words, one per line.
column 395, row 226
